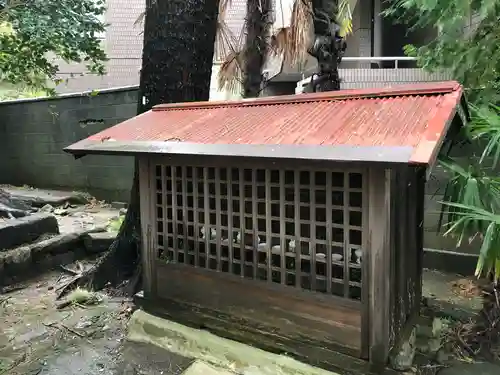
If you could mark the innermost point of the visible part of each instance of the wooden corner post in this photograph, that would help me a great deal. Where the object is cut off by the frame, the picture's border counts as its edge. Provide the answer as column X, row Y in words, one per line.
column 146, row 180
column 379, row 200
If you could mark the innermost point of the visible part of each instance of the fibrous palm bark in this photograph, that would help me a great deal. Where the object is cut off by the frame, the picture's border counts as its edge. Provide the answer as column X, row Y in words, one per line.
column 257, row 23
column 328, row 46
column 328, row 20
column 179, row 38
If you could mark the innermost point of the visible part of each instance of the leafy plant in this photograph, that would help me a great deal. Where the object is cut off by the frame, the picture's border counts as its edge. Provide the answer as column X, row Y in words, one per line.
column 467, row 34
column 471, row 202
column 485, row 126
column 115, row 224
column 36, row 33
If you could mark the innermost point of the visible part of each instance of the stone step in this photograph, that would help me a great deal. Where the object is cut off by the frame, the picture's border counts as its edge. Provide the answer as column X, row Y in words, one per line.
column 99, row 242
column 24, row 230
column 41, row 197
column 30, row 260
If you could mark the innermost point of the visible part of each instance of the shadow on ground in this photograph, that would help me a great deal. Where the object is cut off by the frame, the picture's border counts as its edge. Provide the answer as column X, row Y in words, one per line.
column 38, row 339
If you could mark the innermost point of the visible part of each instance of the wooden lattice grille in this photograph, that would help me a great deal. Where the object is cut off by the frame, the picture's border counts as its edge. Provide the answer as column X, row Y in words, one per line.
column 299, row 228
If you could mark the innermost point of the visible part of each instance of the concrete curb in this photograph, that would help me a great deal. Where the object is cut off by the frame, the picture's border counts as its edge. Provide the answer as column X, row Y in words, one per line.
column 213, row 350
column 26, row 229
column 450, row 261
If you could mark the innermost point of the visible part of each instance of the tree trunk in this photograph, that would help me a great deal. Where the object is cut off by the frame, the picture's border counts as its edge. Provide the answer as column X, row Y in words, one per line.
column 257, row 25
column 328, row 47
column 179, row 38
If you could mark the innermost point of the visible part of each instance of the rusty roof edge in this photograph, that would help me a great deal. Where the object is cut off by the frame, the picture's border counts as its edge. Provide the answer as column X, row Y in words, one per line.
column 339, row 153
column 429, row 146
column 400, row 90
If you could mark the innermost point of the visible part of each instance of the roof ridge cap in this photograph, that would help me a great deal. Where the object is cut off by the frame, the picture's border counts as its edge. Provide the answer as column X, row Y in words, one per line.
column 389, row 91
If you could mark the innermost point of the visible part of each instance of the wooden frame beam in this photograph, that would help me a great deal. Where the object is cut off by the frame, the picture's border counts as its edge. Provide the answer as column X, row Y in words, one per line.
column 380, row 259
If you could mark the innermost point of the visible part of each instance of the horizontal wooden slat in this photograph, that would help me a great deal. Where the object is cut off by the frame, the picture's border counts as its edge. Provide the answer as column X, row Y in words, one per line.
column 299, row 315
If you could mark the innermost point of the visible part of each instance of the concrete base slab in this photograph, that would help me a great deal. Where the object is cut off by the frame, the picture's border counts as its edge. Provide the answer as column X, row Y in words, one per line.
column 41, row 197
column 213, row 350
column 16, row 232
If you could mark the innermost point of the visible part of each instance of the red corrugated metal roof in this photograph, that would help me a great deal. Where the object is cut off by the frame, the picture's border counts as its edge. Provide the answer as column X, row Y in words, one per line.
column 415, row 116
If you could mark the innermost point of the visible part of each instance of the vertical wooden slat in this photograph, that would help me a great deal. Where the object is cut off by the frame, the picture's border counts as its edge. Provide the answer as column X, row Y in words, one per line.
column 195, row 219
column 282, row 227
column 206, row 224
column 402, row 246
column 218, row 218
column 410, row 235
column 312, row 230
column 242, row 221
column 419, row 252
column 146, row 185
column 165, row 209
column 329, row 232
column 185, row 242
column 380, row 261
column 255, row 241
column 365, row 268
column 268, row 224
column 393, row 223
column 346, row 242
column 174, row 212
column 230, row 219
column 298, row 247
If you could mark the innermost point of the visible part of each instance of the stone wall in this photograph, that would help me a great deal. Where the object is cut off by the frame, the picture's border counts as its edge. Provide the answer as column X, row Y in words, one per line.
column 33, row 133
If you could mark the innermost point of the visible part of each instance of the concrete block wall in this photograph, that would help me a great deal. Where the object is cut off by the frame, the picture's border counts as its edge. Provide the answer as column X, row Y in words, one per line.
column 34, row 132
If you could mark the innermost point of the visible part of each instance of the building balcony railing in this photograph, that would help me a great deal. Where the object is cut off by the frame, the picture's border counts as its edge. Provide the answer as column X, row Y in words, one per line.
column 366, row 72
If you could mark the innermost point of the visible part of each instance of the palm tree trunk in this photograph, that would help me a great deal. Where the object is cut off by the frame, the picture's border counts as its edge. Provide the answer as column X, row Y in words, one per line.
column 179, row 37
column 327, row 46
column 257, row 34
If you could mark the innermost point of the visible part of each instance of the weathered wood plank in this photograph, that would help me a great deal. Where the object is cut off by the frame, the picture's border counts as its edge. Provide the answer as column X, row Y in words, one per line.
column 242, row 331
column 365, row 270
column 195, row 219
column 420, row 187
column 300, row 315
column 380, row 283
column 147, row 194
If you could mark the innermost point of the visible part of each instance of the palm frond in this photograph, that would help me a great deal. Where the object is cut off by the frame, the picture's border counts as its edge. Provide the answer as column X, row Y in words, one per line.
column 299, row 35
column 140, row 19
column 280, row 40
column 230, row 74
column 344, row 16
column 489, row 253
column 224, row 6
column 292, row 42
column 229, row 49
column 485, row 126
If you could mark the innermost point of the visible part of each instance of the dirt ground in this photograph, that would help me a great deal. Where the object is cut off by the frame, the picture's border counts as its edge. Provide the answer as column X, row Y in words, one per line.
column 38, row 339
